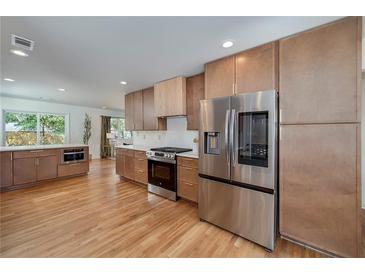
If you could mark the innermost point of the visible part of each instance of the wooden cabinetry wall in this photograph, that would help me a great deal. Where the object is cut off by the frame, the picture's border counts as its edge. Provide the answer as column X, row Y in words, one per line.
column 319, row 145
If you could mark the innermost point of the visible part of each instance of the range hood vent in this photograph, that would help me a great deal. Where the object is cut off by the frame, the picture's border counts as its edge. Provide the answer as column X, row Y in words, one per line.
column 22, row 42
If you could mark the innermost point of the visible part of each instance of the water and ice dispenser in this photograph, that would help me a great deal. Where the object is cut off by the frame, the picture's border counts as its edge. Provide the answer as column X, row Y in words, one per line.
column 212, row 143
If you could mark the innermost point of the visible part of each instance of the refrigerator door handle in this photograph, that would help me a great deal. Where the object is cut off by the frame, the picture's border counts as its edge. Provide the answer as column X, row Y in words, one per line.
column 226, row 136
column 232, row 136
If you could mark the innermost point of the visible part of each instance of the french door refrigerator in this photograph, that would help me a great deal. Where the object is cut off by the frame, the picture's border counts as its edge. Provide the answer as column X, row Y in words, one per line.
column 238, row 165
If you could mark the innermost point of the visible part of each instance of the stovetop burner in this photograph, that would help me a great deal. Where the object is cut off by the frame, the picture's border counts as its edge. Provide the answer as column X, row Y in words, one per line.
column 171, row 149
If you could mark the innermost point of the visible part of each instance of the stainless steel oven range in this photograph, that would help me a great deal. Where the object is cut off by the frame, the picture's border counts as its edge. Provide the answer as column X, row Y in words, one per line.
column 238, row 164
column 162, row 179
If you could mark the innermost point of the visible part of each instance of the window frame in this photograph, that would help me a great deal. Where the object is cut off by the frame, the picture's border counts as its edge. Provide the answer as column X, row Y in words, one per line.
column 117, row 117
column 38, row 114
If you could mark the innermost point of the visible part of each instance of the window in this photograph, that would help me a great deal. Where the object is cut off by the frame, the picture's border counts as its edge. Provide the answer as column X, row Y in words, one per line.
column 26, row 128
column 117, row 127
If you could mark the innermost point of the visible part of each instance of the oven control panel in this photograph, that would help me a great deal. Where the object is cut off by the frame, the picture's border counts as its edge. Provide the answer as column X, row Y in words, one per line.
column 161, row 156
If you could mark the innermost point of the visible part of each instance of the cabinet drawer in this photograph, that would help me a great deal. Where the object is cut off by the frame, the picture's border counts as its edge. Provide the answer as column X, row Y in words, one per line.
column 188, row 174
column 120, row 151
column 140, row 155
column 35, row 153
column 140, row 164
column 73, row 169
column 129, row 152
column 187, row 190
column 140, row 176
column 188, row 162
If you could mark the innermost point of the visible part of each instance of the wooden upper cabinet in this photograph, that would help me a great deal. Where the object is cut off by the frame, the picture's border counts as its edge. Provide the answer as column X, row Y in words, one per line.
column 150, row 120
column 220, row 78
column 257, row 69
column 319, row 74
column 318, row 186
column 138, row 110
column 194, row 93
column 170, row 97
column 6, row 176
column 129, row 112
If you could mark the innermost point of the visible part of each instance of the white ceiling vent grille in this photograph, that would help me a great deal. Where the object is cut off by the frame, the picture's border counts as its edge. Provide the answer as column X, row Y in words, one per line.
column 22, row 42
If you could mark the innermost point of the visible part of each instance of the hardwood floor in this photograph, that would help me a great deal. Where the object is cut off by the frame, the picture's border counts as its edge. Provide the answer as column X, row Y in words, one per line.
column 100, row 215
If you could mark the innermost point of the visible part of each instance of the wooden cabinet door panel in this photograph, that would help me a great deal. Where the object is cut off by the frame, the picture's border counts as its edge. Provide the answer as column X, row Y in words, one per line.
column 319, row 74
column 170, row 97
column 194, row 93
column 149, row 116
column 318, row 186
column 138, row 110
column 25, row 170
column 129, row 167
column 256, row 69
column 6, row 176
column 141, row 176
column 47, row 167
column 187, row 190
column 119, row 163
column 150, row 120
column 220, row 78
column 129, row 112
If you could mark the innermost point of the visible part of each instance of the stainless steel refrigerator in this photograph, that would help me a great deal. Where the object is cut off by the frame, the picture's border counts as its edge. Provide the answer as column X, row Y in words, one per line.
column 238, row 165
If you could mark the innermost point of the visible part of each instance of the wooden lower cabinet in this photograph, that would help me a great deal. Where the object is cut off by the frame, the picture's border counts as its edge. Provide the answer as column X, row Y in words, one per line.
column 6, row 162
column 319, row 178
column 129, row 167
column 132, row 164
column 119, row 162
column 140, row 168
column 187, row 178
column 47, row 167
column 25, row 170
column 73, row 169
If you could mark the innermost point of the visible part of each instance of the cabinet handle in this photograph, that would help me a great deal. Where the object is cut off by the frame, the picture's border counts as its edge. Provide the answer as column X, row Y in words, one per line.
column 189, row 184
column 34, row 151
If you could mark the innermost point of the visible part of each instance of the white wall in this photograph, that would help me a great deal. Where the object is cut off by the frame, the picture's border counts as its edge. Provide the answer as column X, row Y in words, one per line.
column 175, row 135
column 76, row 115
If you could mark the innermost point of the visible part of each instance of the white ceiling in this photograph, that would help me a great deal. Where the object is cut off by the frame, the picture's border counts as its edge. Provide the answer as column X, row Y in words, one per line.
column 89, row 56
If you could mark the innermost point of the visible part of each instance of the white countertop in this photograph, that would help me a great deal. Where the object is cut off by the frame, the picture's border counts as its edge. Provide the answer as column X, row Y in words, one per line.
column 18, row 148
column 189, row 154
column 134, row 147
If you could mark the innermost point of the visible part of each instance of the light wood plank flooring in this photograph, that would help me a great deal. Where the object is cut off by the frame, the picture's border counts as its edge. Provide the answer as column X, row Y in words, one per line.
column 101, row 215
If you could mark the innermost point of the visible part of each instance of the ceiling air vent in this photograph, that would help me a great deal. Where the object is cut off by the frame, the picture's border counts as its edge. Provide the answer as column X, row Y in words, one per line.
column 22, row 42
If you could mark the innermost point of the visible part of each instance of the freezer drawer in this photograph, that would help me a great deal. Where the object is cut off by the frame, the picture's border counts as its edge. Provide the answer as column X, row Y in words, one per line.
column 247, row 213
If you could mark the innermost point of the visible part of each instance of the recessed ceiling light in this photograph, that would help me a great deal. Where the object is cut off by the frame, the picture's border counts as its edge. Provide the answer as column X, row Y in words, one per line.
column 103, row 107
column 9, row 79
column 123, row 82
column 19, row 52
column 61, row 89
column 227, row 44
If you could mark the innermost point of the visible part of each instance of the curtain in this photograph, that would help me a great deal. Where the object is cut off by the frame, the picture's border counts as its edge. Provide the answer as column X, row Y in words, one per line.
column 105, row 149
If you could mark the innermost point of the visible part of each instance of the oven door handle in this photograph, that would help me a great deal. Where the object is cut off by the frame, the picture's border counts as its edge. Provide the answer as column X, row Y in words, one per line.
column 162, row 161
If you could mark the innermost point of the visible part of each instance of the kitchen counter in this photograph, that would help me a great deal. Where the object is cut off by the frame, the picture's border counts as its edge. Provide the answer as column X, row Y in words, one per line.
column 188, row 154
column 134, row 147
column 39, row 147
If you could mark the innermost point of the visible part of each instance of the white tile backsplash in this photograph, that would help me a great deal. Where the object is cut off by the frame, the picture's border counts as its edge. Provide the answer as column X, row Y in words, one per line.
column 175, row 135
